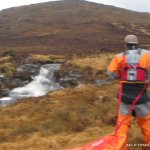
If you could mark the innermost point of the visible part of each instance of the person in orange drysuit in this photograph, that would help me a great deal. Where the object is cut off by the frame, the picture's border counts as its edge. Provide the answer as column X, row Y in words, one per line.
column 132, row 82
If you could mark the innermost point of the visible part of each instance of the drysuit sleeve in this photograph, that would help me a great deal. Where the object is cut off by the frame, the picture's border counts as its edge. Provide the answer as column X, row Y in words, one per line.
column 148, row 66
column 145, row 62
column 113, row 70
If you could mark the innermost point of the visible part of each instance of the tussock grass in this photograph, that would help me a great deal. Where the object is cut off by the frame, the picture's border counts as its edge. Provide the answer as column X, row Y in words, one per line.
column 68, row 112
column 63, row 119
column 47, row 58
column 95, row 62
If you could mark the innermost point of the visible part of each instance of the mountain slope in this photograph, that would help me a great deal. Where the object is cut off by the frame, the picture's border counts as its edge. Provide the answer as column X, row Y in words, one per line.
column 70, row 26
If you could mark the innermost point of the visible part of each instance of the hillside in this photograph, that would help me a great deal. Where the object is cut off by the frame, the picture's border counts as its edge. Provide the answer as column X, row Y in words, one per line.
column 68, row 26
column 49, row 33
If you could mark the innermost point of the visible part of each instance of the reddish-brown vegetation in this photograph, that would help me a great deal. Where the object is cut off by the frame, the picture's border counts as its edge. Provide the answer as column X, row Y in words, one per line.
column 70, row 27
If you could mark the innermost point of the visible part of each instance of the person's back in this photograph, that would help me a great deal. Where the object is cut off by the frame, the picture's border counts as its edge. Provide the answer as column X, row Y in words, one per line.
column 141, row 56
column 131, row 67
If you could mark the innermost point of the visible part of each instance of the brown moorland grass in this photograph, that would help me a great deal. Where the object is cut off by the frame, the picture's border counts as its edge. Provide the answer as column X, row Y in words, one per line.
column 64, row 119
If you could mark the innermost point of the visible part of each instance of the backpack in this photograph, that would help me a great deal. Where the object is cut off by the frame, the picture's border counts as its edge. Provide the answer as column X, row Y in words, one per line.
column 131, row 70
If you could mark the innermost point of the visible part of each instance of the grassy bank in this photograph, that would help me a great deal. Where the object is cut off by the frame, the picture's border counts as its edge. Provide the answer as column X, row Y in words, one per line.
column 64, row 119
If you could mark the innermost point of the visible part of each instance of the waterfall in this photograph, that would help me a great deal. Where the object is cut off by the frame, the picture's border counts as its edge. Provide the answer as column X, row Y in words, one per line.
column 39, row 86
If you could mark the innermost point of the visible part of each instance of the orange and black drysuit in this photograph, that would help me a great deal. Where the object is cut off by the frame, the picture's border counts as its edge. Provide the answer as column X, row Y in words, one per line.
column 129, row 92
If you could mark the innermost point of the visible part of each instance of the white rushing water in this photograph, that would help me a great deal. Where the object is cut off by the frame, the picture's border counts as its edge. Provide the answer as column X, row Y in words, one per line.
column 41, row 85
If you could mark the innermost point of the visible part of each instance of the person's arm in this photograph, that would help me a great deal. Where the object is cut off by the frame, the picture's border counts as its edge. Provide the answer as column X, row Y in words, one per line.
column 148, row 66
column 145, row 62
column 113, row 70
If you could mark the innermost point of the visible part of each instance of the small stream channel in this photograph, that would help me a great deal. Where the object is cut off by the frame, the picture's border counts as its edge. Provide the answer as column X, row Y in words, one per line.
column 41, row 84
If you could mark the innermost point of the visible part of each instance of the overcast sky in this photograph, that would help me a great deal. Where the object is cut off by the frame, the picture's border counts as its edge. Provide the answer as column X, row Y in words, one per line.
column 137, row 5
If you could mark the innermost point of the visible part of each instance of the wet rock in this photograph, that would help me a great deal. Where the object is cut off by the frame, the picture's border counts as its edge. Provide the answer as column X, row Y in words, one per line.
column 22, row 76
column 24, row 73
column 2, row 76
column 75, row 74
column 29, row 68
column 4, row 92
column 70, row 79
column 68, row 82
column 18, row 82
column 100, row 82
